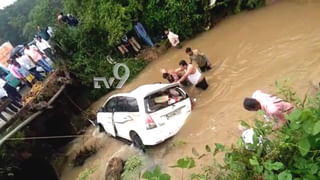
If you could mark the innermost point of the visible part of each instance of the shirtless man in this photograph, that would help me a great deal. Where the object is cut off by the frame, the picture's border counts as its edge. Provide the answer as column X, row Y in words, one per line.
column 192, row 74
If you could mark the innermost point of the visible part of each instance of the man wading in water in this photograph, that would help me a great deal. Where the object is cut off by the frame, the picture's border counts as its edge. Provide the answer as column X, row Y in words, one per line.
column 192, row 74
column 199, row 58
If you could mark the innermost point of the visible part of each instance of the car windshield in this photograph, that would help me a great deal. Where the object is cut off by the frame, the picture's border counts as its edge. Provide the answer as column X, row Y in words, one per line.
column 163, row 99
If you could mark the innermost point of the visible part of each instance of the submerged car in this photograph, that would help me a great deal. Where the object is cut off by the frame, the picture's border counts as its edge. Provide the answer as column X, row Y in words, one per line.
column 148, row 115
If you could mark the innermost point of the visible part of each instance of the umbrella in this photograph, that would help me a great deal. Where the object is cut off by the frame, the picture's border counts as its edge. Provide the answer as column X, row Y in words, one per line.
column 16, row 50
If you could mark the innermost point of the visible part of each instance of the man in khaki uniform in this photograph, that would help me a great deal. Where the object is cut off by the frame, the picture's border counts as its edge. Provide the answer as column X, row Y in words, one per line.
column 199, row 58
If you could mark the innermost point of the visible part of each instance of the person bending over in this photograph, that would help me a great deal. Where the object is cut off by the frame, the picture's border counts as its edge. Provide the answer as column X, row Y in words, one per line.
column 192, row 74
column 274, row 107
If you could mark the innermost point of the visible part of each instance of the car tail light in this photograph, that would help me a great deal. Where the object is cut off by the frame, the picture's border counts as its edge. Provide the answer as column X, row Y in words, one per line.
column 149, row 122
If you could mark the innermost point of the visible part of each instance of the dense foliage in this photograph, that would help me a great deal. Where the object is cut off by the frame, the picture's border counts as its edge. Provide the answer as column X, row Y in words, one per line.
column 103, row 23
column 18, row 22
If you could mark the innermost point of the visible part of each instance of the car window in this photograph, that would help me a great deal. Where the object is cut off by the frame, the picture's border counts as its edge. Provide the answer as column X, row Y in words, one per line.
column 132, row 105
column 127, row 104
column 164, row 98
column 111, row 104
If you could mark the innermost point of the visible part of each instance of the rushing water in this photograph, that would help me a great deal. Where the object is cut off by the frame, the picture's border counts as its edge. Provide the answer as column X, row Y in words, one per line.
column 249, row 51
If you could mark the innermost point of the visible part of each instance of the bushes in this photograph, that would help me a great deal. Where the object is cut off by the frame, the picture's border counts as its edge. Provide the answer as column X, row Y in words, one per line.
column 103, row 23
column 185, row 18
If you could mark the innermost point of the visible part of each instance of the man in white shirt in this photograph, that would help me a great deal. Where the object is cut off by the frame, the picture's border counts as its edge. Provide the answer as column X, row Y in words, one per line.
column 173, row 38
column 25, row 62
column 44, row 47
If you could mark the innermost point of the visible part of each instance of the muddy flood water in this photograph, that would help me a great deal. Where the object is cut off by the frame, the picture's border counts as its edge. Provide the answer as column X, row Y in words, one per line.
column 249, row 51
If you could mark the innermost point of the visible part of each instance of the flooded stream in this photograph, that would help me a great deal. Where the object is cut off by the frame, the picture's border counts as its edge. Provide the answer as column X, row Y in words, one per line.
column 249, row 51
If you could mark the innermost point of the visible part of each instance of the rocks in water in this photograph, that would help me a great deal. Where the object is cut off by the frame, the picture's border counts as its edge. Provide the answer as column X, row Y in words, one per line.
column 114, row 169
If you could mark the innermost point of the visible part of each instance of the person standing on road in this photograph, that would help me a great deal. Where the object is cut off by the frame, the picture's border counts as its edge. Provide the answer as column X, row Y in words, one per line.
column 273, row 107
column 25, row 62
column 193, row 75
column 200, row 58
column 6, row 101
column 11, row 91
column 44, row 46
column 43, row 33
column 38, row 58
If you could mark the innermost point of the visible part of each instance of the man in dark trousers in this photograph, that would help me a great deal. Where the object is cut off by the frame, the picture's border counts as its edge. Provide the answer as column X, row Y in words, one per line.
column 35, row 168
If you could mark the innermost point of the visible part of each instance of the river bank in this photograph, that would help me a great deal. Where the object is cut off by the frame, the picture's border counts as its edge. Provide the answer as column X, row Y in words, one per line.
column 249, row 51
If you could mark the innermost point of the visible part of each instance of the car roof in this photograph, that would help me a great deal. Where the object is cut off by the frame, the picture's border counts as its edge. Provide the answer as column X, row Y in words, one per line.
column 145, row 90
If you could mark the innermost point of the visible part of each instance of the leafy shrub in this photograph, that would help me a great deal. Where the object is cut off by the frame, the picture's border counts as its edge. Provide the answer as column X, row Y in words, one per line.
column 156, row 174
column 185, row 18
column 132, row 168
column 86, row 174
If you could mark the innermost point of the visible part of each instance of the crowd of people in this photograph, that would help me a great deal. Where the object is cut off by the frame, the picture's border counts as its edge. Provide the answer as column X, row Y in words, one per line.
column 29, row 64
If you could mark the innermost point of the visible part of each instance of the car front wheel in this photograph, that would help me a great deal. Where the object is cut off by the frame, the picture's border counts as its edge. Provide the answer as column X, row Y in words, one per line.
column 136, row 140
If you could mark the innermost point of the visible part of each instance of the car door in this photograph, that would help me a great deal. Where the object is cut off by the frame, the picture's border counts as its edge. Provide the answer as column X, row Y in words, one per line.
column 171, row 112
column 104, row 116
column 126, row 116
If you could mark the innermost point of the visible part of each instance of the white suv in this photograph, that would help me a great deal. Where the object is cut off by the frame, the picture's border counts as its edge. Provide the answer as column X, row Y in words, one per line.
column 146, row 116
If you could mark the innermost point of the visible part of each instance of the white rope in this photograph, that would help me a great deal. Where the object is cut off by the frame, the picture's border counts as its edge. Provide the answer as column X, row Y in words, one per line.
column 46, row 137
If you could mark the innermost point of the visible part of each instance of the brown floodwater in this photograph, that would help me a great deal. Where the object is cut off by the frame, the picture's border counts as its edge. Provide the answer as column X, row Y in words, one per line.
column 249, row 51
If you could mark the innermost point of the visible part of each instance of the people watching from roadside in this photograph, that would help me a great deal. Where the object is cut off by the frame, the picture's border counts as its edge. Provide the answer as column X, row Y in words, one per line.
column 11, row 91
column 192, row 74
column 200, row 58
column 69, row 19
column 43, row 33
column 274, row 107
column 37, row 57
column 126, row 42
column 28, row 64
column 133, row 42
column 122, row 48
column 44, row 47
column 7, row 104
column 27, row 76
column 14, row 70
column 142, row 33
column 173, row 38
